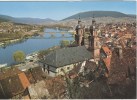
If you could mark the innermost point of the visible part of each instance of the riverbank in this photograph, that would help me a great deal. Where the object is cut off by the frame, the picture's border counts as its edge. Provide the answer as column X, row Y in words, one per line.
column 11, row 41
column 31, row 60
column 4, row 43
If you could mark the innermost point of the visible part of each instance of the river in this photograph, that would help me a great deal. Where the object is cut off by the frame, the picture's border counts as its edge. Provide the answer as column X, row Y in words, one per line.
column 33, row 44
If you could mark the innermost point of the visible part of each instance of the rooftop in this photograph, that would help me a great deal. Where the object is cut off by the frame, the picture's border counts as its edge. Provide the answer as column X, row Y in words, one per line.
column 107, row 62
column 66, row 56
column 25, row 82
column 9, row 72
column 13, row 85
column 35, row 74
column 106, row 50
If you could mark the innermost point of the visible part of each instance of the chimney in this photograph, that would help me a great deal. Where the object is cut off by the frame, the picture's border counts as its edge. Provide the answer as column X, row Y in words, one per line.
column 122, row 43
column 9, row 80
column 120, row 52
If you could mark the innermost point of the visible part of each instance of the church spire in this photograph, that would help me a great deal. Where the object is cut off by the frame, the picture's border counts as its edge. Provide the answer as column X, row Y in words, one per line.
column 79, row 20
column 93, row 15
column 93, row 20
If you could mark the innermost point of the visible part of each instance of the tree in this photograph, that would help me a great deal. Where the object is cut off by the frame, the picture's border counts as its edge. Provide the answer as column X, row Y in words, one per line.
column 43, row 53
column 64, row 43
column 19, row 56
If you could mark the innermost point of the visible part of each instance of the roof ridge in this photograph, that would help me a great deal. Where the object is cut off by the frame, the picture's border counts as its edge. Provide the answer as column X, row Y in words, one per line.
column 56, row 57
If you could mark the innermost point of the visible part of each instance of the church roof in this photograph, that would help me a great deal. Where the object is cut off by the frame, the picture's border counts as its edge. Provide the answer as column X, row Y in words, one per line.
column 67, row 56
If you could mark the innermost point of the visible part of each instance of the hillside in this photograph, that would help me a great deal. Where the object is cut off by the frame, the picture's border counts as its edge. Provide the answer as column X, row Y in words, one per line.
column 105, row 20
column 98, row 14
column 4, row 18
column 26, row 20
column 33, row 21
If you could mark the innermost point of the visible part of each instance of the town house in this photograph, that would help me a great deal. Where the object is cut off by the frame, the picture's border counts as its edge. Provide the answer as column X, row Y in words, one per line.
column 63, row 60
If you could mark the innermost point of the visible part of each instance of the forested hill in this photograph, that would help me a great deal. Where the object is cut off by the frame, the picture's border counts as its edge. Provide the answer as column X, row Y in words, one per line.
column 4, row 18
column 98, row 14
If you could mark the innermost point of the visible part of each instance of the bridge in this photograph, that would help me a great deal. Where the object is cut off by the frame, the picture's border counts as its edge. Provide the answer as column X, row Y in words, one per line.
column 62, row 32
column 53, row 35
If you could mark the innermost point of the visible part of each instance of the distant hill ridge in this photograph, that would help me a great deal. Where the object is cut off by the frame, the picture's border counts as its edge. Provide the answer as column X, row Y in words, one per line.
column 4, row 18
column 87, row 14
column 26, row 20
column 96, row 14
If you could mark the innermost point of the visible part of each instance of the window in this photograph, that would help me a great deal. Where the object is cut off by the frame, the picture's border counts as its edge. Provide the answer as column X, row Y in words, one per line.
column 68, row 68
column 61, row 69
column 96, row 43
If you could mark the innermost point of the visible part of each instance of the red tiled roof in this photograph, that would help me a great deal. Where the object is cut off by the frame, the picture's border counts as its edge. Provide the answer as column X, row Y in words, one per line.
column 25, row 82
column 13, row 82
column 11, row 86
column 107, row 50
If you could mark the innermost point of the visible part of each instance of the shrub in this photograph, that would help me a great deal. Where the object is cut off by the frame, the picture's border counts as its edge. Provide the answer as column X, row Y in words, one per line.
column 19, row 56
column 64, row 43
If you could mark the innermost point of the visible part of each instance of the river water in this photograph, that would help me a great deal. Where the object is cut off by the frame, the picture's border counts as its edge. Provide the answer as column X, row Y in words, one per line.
column 33, row 44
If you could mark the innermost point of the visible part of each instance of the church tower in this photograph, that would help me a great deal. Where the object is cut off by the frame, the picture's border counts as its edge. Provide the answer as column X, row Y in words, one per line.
column 93, row 21
column 97, row 47
column 79, row 36
column 95, row 42
column 92, row 33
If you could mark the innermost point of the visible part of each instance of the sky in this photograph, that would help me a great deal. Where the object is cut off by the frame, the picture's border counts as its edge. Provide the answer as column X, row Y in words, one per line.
column 61, row 10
